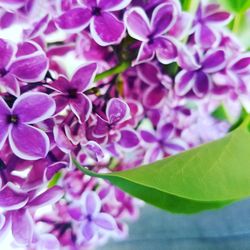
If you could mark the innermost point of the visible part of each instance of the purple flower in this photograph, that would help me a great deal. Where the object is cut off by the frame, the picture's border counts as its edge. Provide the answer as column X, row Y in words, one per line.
column 151, row 34
column 26, row 141
column 117, row 112
column 105, row 28
column 27, row 63
column 164, row 142
column 92, row 221
column 71, row 92
column 197, row 70
column 207, row 23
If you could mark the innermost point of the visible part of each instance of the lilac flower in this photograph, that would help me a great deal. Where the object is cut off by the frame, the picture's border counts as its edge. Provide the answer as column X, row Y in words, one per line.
column 152, row 34
column 28, row 63
column 26, row 141
column 105, row 28
column 117, row 112
column 71, row 92
column 92, row 221
column 207, row 25
column 197, row 70
column 164, row 142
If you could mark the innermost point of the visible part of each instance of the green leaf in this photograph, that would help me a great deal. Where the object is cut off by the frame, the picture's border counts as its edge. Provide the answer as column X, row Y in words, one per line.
column 220, row 113
column 235, row 6
column 207, row 177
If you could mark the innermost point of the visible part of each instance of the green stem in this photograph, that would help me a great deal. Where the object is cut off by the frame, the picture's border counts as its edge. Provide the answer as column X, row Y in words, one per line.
column 113, row 71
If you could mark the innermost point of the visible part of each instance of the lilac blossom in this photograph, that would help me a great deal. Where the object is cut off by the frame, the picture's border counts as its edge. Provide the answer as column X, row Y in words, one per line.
column 91, row 220
column 105, row 27
column 152, row 34
column 71, row 92
column 197, row 70
column 26, row 141
column 207, row 25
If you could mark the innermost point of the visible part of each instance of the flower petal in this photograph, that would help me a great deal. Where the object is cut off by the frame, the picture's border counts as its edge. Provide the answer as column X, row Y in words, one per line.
column 91, row 203
column 7, row 51
column 117, row 111
column 62, row 84
column 154, row 96
column 48, row 242
column 149, row 73
column 184, row 82
column 61, row 102
column 163, row 18
column 82, row 107
column 202, row 84
column 50, row 196
column 12, row 198
column 129, row 139
column 83, row 77
column 105, row 221
column 137, row 23
column 241, row 64
column 28, row 143
column 30, row 68
column 4, row 112
column 106, row 29
column 166, row 51
column 88, row 231
column 219, row 18
column 22, row 226
column 94, row 150
column 74, row 20
column 214, row 61
column 34, row 107
column 206, row 37
column 148, row 136
column 11, row 84
column 113, row 5
column 166, row 131
column 146, row 54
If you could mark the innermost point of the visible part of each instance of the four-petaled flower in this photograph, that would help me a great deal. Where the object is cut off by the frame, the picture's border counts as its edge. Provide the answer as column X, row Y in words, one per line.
column 105, row 27
column 26, row 141
column 152, row 34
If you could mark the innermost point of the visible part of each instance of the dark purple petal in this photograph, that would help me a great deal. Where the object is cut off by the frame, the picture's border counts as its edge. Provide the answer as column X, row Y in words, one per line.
column 154, row 96
column 241, row 65
column 34, row 107
column 50, row 196
column 83, row 77
column 27, row 48
column 28, row 143
column 137, row 24
column 4, row 112
column 30, row 68
column 163, row 18
column 7, row 19
column 91, row 203
column 75, row 212
column 202, row 84
column 2, row 221
column 184, row 82
column 117, row 111
column 61, row 102
column 81, row 106
column 113, row 5
column 52, row 169
column 105, row 221
column 7, row 51
column 101, row 128
column 148, row 136
column 129, row 139
column 74, row 20
column 106, row 29
column 219, row 17
column 166, row 131
column 149, row 73
column 206, row 37
column 12, row 198
column 166, row 50
column 146, row 53
column 89, row 3
column 175, row 146
column 62, row 84
column 214, row 61
column 22, row 226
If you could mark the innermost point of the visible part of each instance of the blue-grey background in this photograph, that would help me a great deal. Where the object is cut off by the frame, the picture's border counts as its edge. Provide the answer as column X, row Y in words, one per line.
column 224, row 229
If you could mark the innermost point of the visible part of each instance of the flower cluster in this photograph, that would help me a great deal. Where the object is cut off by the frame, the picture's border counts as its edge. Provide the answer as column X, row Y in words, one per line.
column 114, row 84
